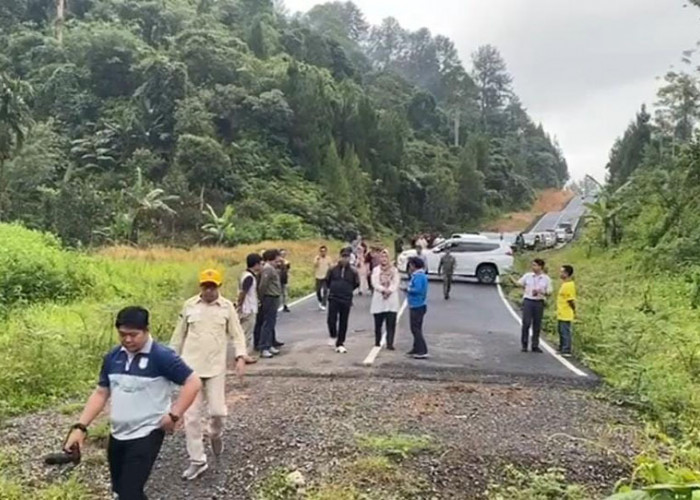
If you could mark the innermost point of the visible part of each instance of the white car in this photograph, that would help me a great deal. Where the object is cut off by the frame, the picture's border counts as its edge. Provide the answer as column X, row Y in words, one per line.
column 476, row 256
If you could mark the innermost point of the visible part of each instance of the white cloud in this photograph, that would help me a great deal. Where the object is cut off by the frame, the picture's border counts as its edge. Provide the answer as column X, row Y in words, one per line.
column 583, row 68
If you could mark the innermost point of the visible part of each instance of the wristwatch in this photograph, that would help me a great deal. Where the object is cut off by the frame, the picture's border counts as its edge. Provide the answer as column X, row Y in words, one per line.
column 173, row 417
column 79, row 426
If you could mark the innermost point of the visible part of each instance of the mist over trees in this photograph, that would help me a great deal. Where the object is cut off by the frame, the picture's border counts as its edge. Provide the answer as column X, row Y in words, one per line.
column 124, row 120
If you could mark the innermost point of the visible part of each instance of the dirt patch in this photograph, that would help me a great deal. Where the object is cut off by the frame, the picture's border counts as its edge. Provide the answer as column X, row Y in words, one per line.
column 311, row 425
column 550, row 200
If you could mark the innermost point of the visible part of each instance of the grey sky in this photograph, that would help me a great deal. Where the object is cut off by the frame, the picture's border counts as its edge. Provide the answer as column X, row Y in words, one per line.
column 581, row 67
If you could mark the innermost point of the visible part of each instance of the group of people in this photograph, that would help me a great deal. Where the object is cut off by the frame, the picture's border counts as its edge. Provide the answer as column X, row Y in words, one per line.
column 138, row 374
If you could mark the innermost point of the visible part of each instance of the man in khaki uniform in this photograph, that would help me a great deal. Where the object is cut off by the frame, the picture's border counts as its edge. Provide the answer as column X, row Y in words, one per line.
column 206, row 323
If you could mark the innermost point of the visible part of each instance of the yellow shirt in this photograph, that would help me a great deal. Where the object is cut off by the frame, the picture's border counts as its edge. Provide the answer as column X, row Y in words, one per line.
column 201, row 334
column 567, row 292
column 321, row 267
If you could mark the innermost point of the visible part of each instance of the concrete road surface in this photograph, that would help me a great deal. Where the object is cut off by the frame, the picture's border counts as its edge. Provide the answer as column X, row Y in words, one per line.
column 573, row 211
column 473, row 335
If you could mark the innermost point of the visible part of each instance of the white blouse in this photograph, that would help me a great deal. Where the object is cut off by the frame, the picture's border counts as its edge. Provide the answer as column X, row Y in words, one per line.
column 379, row 303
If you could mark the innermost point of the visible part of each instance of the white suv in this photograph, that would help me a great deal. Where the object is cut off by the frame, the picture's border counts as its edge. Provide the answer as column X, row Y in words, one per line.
column 476, row 256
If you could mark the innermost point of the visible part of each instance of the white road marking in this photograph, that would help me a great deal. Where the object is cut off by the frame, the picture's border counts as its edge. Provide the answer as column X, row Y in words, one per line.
column 544, row 344
column 372, row 356
column 298, row 301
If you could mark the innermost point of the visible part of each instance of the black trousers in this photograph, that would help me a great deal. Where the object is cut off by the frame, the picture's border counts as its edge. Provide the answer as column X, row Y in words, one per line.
column 447, row 285
column 416, row 317
column 268, row 311
column 379, row 319
column 322, row 291
column 338, row 314
column 130, row 464
column 533, row 311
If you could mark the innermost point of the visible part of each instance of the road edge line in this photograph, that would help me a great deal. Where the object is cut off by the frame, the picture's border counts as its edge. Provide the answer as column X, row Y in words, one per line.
column 374, row 352
column 544, row 344
column 297, row 302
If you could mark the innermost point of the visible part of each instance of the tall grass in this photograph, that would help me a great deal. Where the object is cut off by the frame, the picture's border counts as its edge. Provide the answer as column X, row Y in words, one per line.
column 52, row 349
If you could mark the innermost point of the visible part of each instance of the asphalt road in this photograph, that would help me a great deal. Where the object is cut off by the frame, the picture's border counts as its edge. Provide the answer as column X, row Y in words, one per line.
column 573, row 211
column 474, row 335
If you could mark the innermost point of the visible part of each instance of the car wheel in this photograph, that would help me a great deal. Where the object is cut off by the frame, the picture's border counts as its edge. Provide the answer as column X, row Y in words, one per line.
column 487, row 274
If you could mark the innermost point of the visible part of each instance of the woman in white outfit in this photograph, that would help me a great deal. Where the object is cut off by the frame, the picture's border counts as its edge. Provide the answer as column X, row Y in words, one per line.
column 385, row 299
column 362, row 267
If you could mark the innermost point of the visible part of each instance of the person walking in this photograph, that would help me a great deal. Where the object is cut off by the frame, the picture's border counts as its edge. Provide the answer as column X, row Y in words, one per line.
column 566, row 309
column 270, row 290
column 422, row 242
column 137, row 377
column 322, row 264
column 247, row 303
column 206, row 322
column 398, row 246
column 362, row 263
column 284, row 267
column 417, row 291
column 537, row 287
column 342, row 281
column 385, row 299
column 447, row 269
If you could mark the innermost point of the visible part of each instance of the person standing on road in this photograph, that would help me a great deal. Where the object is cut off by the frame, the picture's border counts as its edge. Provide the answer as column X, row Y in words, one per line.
column 422, row 255
column 322, row 264
column 270, row 290
column 447, row 270
column 566, row 309
column 422, row 242
column 247, row 303
column 385, row 299
column 398, row 246
column 284, row 267
column 362, row 264
column 201, row 336
column 137, row 376
column 342, row 281
column 417, row 291
column 538, row 287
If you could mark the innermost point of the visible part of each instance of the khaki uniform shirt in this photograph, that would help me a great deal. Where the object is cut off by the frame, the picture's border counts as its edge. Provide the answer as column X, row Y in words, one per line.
column 201, row 334
column 321, row 267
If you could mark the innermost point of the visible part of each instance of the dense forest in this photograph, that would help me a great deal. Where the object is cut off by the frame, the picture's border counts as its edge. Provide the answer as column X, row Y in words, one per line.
column 235, row 121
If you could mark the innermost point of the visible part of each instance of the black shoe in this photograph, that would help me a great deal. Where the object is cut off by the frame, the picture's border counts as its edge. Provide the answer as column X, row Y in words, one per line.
column 278, row 344
column 410, row 353
column 377, row 345
column 286, row 309
column 537, row 350
column 523, row 349
column 390, row 348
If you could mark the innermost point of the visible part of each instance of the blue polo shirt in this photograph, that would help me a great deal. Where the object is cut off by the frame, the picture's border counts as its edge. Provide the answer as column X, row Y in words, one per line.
column 141, row 386
column 418, row 290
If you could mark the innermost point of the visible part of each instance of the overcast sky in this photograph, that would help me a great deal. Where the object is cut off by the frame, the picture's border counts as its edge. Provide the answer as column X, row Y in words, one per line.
column 581, row 67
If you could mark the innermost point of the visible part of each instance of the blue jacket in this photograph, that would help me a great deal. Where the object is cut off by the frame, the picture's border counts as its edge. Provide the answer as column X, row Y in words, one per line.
column 418, row 290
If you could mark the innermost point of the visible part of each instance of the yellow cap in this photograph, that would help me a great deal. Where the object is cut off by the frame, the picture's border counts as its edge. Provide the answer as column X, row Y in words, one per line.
column 210, row 276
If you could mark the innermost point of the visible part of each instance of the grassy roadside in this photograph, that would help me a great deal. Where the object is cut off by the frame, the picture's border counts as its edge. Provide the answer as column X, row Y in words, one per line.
column 641, row 332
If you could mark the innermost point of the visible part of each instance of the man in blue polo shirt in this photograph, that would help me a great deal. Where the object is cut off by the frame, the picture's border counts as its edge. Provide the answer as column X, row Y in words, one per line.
column 138, row 377
column 417, row 295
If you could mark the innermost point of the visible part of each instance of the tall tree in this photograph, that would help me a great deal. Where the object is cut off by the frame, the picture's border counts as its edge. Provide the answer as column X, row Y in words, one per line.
column 628, row 152
column 493, row 83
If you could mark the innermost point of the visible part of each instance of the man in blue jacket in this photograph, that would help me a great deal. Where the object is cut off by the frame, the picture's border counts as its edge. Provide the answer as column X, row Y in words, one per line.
column 417, row 291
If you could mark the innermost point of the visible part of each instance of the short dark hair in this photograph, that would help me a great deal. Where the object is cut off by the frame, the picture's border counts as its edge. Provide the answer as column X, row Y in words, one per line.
column 416, row 262
column 539, row 262
column 323, row 247
column 253, row 260
column 569, row 270
column 346, row 252
column 270, row 255
column 132, row 317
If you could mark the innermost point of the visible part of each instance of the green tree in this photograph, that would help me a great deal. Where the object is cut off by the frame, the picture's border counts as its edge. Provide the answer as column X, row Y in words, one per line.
column 219, row 228
column 628, row 152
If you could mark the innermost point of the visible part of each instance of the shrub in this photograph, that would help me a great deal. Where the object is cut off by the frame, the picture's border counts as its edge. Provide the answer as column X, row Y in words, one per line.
column 34, row 268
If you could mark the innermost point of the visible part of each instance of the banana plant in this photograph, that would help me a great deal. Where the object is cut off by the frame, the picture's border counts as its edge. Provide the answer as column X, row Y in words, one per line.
column 220, row 229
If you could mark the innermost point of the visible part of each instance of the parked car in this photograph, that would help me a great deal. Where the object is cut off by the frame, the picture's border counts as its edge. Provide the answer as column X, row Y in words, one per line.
column 476, row 256
column 468, row 235
column 549, row 238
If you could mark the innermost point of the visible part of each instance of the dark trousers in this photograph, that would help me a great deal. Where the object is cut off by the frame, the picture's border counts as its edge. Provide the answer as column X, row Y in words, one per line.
column 447, row 285
column 564, row 337
column 379, row 319
column 257, row 329
column 130, row 464
column 322, row 291
column 268, row 311
column 416, row 317
column 533, row 310
column 338, row 314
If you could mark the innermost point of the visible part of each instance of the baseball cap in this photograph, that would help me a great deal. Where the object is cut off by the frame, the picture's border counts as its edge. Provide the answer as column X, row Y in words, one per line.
column 210, row 276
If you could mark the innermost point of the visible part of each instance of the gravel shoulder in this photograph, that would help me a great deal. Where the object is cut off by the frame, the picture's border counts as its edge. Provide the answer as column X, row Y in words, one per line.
column 317, row 426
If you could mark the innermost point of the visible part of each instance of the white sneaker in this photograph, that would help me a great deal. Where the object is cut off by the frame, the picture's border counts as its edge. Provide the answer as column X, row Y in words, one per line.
column 341, row 350
column 331, row 342
column 266, row 354
column 322, row 307
column 194, row 471
column 274, row 351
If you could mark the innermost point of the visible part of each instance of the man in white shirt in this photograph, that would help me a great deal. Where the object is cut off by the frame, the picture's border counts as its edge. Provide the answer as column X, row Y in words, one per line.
column 537, row 287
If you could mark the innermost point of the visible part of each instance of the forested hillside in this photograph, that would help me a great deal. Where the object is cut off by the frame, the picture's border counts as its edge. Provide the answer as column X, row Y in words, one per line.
column 125, row 119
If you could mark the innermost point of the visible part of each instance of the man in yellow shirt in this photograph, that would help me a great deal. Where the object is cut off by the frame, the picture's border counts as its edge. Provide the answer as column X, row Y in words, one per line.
column 201, row 336
column 566, row 309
